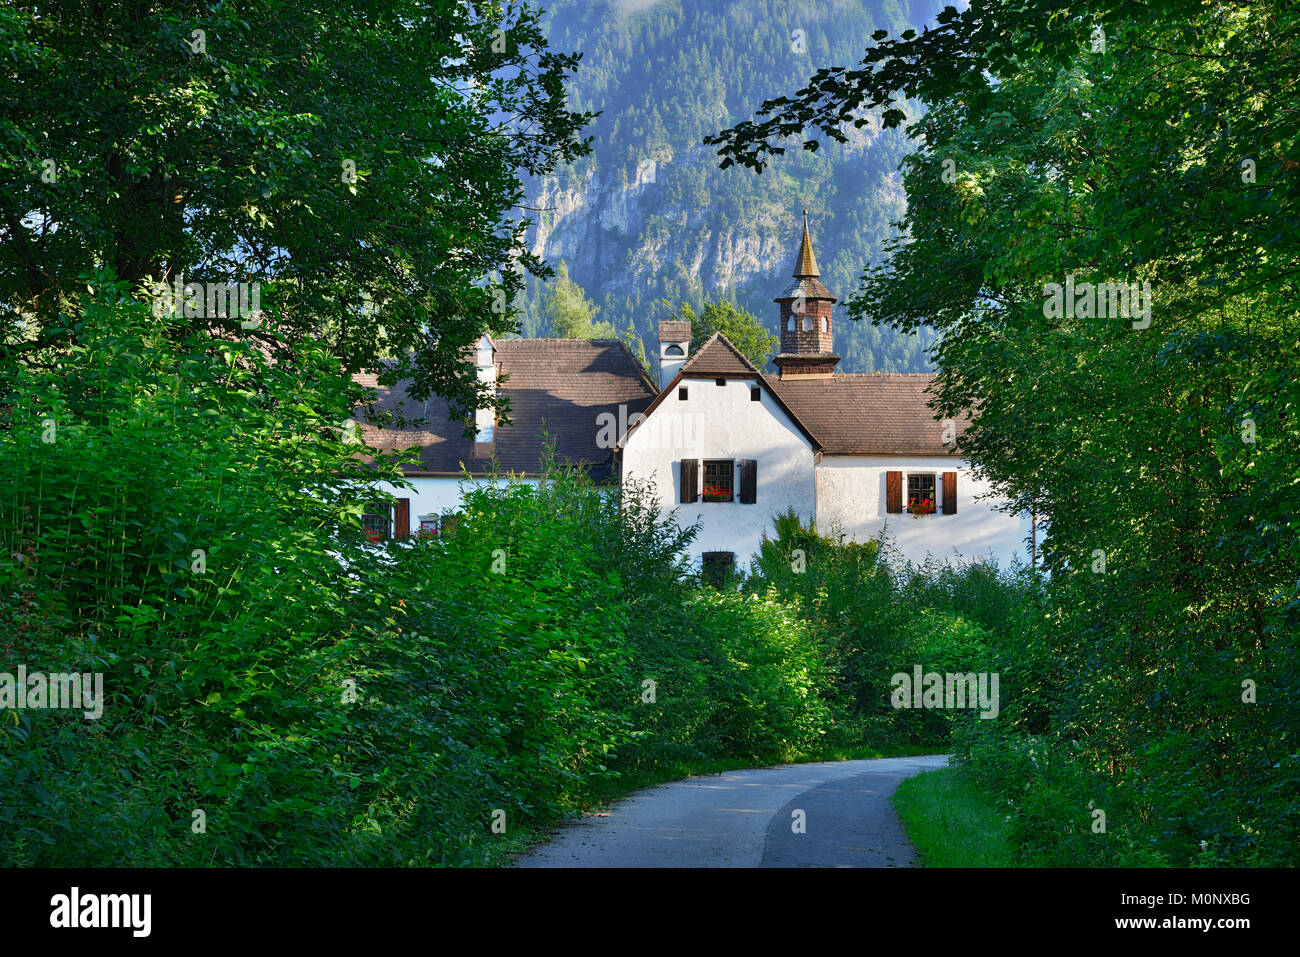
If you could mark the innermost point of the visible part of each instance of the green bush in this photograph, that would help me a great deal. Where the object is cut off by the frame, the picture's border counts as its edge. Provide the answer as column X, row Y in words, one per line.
column 321, row 700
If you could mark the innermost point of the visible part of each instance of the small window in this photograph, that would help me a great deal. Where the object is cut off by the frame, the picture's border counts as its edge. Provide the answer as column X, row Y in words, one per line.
column 719, row 381
column 826, row 324
column 920, row 494
column 377, row 524
column 755, row 394
column 807, row 323
column 681, row 394
column 429, row 526
column 718, row 567
column 674, row 350
column 719, row 480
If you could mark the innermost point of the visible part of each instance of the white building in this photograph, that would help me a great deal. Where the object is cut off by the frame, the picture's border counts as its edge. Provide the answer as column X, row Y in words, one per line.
column 732, row 447
column 720, row 442
column 577, row 393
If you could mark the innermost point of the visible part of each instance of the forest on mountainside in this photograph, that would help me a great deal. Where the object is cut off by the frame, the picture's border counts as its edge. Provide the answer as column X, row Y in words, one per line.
column 648, row 216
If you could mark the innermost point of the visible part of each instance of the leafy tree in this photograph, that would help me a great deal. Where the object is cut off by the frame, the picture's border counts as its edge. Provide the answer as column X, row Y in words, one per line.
column 362, row 161
column 1158, row 446
column 740, row 326
column 569, row 313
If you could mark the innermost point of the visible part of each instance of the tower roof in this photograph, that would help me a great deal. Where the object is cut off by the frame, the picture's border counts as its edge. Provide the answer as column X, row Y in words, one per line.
column 805, row 266
column 805, row 284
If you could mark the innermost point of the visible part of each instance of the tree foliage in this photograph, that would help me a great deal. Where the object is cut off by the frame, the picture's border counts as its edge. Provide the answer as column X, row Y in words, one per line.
column 741, row 328
column 361, row 162
column 1159, row 449
column 569, row 313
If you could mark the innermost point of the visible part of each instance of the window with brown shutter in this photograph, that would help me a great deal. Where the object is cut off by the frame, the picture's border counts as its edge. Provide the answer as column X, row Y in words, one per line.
column 690, row 480
column 893, row 492
column 950, row 493
column 403, row 517
column 748, row 481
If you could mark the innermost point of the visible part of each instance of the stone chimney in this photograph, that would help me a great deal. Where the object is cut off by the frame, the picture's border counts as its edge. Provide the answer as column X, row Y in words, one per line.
column 674, row 347
column 807, row 326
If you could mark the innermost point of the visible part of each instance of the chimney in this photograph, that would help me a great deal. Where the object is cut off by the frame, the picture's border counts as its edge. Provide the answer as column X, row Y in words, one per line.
column 674, row 346
column 485, row 419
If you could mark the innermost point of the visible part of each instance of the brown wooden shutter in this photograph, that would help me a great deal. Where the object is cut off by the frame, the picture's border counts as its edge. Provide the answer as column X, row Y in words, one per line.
column 893, row 492
column 950, row 493
column 748, row 481
column 690, row 480
column 403, row 524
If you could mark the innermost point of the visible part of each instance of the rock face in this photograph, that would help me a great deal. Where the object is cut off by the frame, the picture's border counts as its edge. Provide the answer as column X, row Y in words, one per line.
column 649, row 216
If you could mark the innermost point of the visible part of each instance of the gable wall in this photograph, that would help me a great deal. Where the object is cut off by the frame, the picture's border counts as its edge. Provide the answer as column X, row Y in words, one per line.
column 722, row 422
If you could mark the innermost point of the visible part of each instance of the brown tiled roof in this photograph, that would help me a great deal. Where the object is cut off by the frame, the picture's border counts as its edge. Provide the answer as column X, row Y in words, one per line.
column 675, row 331
column 808, row 287
column 718, row 357
column 872, row 414
column 560, row 385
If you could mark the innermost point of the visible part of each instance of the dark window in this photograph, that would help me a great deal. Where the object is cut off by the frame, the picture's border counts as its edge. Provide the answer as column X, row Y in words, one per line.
column 674, row 350
column 719, row 381
column 718, row 567
column 920, row 494
column 681, row 394
column 377, row 524
column 755, row 394
column 719, row 480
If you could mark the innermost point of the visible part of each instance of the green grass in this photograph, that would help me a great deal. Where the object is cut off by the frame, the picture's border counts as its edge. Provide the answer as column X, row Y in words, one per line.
column 951, row 822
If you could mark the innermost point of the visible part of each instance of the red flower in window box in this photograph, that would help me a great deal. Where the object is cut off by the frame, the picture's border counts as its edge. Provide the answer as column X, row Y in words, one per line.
column 717, row 493
column 921, row 506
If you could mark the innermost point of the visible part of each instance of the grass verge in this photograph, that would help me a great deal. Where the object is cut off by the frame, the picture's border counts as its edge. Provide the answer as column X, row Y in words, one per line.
column 951, row 822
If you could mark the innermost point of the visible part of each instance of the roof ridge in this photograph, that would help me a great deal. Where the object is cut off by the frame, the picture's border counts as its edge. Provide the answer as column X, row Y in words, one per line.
column 718, row 339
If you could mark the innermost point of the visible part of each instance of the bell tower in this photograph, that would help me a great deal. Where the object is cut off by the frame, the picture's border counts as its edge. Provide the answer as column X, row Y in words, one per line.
column 807, row 326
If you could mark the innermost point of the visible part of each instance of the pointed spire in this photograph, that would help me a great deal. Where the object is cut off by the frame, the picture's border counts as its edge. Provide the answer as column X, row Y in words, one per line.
column 805, row 266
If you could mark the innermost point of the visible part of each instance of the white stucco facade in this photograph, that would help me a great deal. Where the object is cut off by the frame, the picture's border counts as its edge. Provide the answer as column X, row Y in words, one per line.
column 844, row 494
column 851, row 499
column 719, row 423
column 435, row 496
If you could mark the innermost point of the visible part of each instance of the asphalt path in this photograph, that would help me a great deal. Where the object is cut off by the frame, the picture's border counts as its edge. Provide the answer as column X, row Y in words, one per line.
column 830, row 814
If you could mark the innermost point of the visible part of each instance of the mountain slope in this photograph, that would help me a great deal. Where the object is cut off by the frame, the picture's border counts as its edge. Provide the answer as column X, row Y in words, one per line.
column 649, row 215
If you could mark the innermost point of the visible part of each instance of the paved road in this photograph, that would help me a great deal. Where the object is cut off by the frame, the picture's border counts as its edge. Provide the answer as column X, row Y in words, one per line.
column 747, row 819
